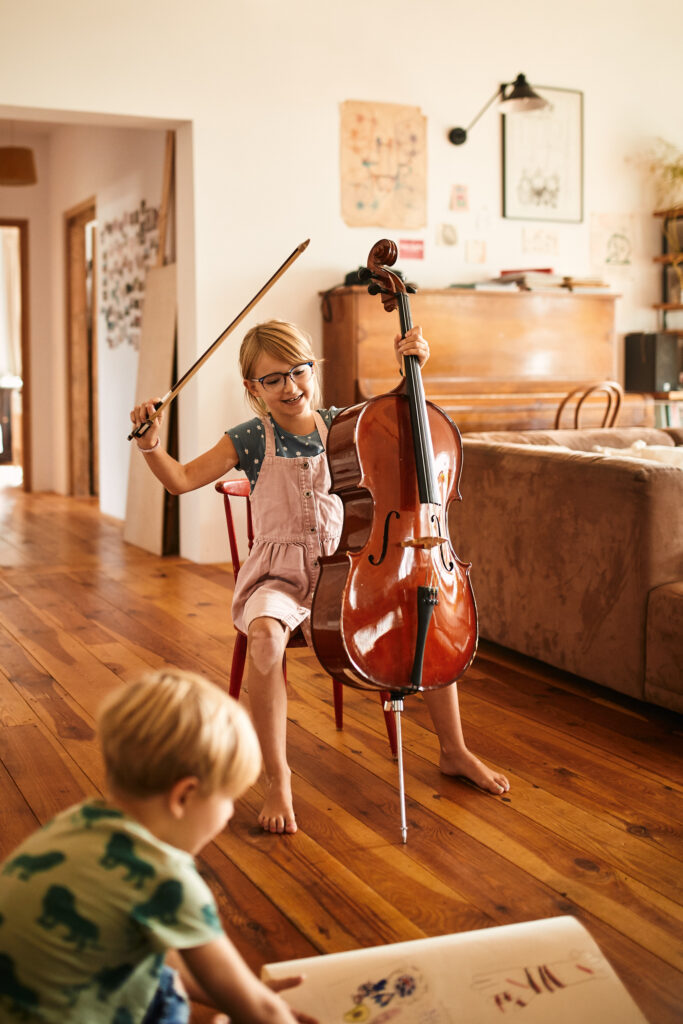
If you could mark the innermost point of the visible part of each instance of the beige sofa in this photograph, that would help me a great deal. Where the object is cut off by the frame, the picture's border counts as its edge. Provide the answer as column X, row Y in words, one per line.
column 577, row 556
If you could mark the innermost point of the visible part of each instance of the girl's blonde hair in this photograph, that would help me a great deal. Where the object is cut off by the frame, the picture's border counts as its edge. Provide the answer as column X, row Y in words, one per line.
column 170, row 725
column 282, row 341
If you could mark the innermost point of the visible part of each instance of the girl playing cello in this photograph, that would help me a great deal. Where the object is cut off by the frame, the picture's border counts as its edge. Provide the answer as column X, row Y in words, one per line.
column 282, row 452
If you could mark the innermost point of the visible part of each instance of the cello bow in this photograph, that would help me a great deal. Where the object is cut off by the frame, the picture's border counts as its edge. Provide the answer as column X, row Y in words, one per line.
column 164, row 402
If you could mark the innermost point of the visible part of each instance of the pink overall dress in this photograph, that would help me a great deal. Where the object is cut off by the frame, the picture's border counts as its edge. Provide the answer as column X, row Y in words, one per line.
column 296, row 520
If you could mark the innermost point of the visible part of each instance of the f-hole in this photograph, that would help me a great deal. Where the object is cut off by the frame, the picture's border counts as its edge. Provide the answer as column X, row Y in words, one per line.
column 385, row 540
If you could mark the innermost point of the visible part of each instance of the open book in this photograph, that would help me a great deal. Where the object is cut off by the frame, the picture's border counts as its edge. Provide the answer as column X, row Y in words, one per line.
column 539, row 971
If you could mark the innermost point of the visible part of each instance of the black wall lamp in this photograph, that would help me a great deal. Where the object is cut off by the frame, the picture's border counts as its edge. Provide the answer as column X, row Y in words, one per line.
column 520, row 99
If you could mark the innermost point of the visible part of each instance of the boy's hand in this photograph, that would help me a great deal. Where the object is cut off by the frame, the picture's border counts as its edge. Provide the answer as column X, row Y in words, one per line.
column 277, row 985
column 226, row 982
column 143, row 412
column 412, row 345
column 280, row 984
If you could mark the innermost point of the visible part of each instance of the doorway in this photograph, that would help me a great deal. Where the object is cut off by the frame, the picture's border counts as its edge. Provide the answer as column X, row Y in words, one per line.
column 15, row 468
column 81, row 341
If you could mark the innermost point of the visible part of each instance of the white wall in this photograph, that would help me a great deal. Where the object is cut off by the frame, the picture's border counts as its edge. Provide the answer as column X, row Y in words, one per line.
column 262, row 81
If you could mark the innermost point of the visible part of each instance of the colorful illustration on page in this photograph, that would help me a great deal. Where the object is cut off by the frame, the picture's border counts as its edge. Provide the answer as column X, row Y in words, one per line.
column 400, row 996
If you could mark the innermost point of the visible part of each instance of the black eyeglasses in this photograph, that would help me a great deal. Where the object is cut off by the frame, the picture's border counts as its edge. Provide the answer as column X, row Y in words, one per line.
column 299, row 374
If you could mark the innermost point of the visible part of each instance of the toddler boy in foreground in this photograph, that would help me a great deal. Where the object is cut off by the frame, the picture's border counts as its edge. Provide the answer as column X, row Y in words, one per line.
column 91, row 903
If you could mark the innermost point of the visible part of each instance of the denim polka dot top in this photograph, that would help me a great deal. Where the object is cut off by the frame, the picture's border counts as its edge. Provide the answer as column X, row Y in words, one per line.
column 249, row 440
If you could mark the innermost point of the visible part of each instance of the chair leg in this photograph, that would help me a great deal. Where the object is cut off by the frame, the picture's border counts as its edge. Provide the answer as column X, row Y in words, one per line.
column 239, row 656
column 338, row 689
column 390, row 721
column 389, row 717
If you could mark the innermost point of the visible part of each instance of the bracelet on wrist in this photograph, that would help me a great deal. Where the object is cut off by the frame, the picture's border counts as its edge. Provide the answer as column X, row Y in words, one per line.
column 146, row 451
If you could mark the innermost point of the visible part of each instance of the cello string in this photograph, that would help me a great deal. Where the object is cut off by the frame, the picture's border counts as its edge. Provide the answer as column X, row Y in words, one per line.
column 422, row 423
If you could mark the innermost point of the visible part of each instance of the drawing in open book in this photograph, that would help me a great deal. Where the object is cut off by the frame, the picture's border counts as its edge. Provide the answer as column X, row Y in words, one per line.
column 538, row 971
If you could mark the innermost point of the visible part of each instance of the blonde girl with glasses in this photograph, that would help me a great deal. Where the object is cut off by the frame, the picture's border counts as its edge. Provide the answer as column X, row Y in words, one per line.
column 296, row 520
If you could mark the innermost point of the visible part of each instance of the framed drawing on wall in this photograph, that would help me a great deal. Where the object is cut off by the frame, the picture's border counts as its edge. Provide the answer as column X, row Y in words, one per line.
column 543, row 159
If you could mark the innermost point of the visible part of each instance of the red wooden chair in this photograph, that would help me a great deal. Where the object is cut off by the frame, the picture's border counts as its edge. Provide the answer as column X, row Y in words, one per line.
column 241, row 489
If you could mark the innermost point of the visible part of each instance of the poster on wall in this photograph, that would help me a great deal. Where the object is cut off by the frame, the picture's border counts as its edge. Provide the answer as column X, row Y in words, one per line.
column 543, row 159
column 383, row 165
column 129, row 243
column 612, row 239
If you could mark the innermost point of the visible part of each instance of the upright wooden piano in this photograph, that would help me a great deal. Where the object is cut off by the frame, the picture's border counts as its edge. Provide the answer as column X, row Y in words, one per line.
column 499, row 360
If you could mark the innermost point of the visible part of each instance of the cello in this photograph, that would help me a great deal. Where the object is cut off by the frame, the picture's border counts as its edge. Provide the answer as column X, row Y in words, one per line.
column 393, row 607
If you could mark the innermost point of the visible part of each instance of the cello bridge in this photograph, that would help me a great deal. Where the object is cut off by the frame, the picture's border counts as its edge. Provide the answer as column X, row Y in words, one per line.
column 423, row 542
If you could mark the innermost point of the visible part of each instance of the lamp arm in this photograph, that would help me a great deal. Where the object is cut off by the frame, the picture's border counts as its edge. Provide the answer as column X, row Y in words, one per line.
column 499, row 92
column 458, row 135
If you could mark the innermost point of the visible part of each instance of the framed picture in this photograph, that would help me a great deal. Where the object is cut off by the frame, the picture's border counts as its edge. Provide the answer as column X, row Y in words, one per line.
column 543, row 159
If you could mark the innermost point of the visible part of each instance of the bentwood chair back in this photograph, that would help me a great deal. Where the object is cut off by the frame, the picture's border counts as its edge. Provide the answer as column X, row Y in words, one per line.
column 613, row 392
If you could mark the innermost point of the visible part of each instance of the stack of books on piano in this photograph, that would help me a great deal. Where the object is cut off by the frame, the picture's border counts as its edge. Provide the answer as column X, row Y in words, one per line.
column 586, row 285
column 538, row 279
column 532, row 279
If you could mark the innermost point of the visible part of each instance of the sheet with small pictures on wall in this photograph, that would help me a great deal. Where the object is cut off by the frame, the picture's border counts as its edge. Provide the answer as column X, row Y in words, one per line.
column 129, row 243
column 538, row 971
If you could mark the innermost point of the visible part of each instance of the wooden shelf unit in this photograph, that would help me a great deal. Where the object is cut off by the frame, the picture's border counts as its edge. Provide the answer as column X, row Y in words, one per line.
column 670, row 260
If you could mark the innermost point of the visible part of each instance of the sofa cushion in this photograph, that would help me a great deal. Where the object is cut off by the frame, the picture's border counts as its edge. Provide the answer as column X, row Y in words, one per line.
column 582, row 440
column 669, row 455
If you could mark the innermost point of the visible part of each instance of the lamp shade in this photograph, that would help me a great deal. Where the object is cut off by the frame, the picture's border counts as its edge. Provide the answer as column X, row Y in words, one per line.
column 17, row 166
column 521, row 98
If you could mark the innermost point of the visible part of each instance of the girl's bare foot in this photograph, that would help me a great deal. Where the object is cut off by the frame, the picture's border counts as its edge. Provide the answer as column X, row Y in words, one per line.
column 470, row 767
column 277, row 814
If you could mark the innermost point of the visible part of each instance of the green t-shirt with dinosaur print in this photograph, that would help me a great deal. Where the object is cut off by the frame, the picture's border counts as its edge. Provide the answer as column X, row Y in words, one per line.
column 89, row 905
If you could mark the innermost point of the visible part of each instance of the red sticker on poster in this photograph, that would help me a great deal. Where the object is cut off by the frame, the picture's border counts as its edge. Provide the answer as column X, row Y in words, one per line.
column 411, row 249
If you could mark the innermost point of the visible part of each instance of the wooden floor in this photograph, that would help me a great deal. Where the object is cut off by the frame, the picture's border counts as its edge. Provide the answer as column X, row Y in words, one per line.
column 591, row 826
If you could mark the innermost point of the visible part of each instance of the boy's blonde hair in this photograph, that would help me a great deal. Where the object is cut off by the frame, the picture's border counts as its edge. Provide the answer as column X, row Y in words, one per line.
column 170, row 725
column 281, row 340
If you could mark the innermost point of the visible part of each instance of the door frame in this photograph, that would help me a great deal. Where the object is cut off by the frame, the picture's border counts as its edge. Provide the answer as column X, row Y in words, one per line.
column 81, row 359
column 22, row 224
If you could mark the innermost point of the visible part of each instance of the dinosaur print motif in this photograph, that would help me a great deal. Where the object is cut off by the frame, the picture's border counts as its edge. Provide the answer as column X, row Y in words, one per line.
column 29, row 865
column 163, row 904
column 108, row 980
column 111, row 978
column 211, row 917
column 120, row 852
column 21, row 998
column 90, row 813
column 157, row 964
column 122, row 1016
column 59, row 908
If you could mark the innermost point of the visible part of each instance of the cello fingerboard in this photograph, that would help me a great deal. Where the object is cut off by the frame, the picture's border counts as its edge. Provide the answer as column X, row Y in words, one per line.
column 422, row 439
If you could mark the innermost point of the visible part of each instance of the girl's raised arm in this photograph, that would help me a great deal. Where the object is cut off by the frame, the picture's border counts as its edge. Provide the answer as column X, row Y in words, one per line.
column 176, row 477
